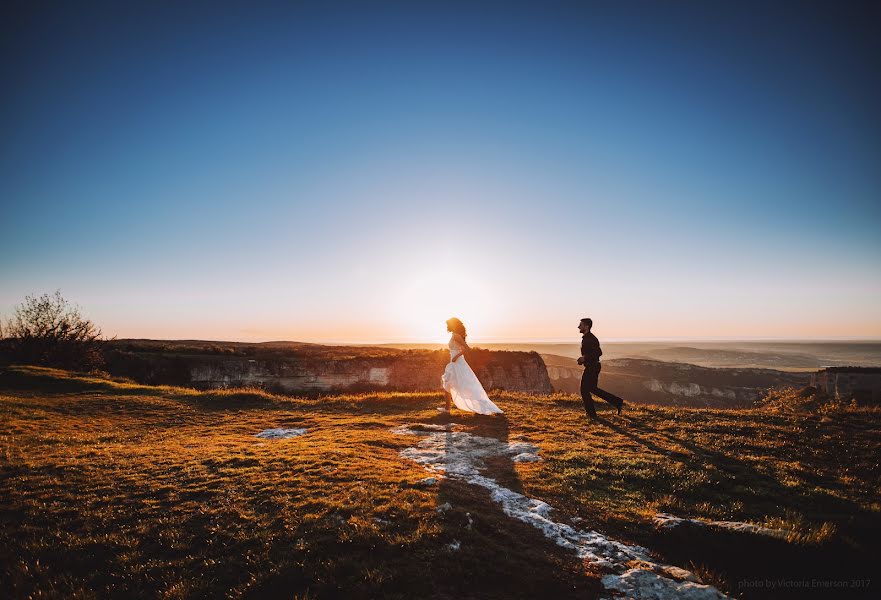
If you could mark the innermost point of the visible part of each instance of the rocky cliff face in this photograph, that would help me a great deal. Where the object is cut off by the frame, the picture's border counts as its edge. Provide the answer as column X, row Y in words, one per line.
column 328, row 369
column 666, row 383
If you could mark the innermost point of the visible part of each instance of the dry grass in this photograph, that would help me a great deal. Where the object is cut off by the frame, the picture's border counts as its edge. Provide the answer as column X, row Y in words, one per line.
column 113, row 488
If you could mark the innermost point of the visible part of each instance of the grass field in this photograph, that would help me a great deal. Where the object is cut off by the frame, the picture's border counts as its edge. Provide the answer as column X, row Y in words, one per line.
column 115, row 489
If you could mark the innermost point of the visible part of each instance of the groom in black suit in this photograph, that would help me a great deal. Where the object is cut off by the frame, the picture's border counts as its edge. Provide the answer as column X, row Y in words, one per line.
column 590, row 358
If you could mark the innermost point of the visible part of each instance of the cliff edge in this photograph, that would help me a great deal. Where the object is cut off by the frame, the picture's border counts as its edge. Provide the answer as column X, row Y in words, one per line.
column 310, row 368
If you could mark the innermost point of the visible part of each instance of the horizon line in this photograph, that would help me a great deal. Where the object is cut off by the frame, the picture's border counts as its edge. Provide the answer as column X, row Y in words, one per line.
column 561, row 341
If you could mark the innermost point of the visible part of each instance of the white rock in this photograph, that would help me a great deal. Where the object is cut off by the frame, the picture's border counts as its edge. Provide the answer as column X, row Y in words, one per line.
column 281, row 433
column 640, row 584
column 526, row 457
column 461, row 455
column 435, row 427
column 421, row 428
column 681, row 574
column 668, row 521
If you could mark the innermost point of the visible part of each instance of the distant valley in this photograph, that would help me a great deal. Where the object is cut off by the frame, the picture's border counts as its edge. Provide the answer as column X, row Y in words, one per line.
column 721, row 374
column 644, row 381
column 703, row 374
column 783, row 355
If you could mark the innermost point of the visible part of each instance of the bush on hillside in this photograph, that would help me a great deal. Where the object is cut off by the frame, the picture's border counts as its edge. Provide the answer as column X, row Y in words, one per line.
column 805, row 400
column 50, row 331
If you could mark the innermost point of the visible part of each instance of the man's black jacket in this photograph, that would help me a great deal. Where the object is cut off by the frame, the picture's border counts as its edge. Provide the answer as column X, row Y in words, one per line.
column 590, row 349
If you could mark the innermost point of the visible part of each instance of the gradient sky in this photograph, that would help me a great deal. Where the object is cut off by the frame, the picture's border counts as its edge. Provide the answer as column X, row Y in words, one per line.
column 344, row 172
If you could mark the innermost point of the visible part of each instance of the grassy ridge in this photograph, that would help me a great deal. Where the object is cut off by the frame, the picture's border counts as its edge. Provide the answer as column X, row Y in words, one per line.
column 108, row 487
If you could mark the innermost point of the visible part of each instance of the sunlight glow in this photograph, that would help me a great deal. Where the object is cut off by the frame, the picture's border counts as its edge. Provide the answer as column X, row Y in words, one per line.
column 424, row 303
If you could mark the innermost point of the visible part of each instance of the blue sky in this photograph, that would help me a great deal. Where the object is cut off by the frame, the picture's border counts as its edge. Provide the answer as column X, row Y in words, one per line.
column 339, row 172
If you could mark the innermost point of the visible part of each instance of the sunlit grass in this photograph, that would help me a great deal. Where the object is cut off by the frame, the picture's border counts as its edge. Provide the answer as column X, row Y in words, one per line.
column 110, row 487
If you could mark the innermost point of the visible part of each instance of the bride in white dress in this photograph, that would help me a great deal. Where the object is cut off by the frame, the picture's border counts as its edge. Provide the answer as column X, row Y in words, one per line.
column 459, row 381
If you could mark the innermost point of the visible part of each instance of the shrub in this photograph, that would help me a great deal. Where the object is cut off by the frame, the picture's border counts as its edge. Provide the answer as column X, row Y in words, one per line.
column 50, row 331
column 806, row 400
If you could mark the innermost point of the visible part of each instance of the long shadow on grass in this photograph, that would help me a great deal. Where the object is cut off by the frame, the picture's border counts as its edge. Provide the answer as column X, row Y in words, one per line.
column 479, row 553
column 499, row 557
column 748, row 562
column 759, row 491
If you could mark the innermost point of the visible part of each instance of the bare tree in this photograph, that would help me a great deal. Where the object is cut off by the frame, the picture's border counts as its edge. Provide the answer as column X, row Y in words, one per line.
column 48, row 330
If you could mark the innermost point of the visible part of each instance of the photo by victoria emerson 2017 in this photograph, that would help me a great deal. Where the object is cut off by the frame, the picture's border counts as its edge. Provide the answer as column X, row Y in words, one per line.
column 454, row 300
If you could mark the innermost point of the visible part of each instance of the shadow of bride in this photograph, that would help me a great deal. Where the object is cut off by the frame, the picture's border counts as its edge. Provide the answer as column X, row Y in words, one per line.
column 479, row 541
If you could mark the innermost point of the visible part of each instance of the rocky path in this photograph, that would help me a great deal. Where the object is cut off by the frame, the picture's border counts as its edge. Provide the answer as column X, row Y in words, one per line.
column 632, row 572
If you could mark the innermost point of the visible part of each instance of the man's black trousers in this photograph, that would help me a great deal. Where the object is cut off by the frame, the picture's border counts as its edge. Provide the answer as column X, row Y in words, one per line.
column 589, row 382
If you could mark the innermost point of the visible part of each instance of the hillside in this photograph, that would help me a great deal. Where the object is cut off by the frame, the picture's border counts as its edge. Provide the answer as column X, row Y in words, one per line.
column 113, row 488
column 643, row 381
column 796, row 356
column 297, row 368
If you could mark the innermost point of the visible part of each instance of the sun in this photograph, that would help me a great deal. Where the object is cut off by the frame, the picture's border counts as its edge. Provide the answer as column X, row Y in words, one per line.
column 424, row 303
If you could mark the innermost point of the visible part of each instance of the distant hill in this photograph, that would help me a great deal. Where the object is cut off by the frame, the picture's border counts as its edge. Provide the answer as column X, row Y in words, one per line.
column 720, row 374
column 782, row 356
column 643, row 381
column 248, row 349
column 298, row 368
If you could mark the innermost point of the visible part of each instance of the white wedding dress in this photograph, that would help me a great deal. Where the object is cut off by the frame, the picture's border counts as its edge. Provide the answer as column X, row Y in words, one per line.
column 462, row 384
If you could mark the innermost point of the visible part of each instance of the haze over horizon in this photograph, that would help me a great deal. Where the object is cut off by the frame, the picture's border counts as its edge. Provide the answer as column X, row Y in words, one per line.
column 334, row 172
column 540, row 341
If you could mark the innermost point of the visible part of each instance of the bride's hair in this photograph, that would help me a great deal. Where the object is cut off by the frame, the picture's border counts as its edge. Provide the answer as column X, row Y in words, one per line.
column 456, row 326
